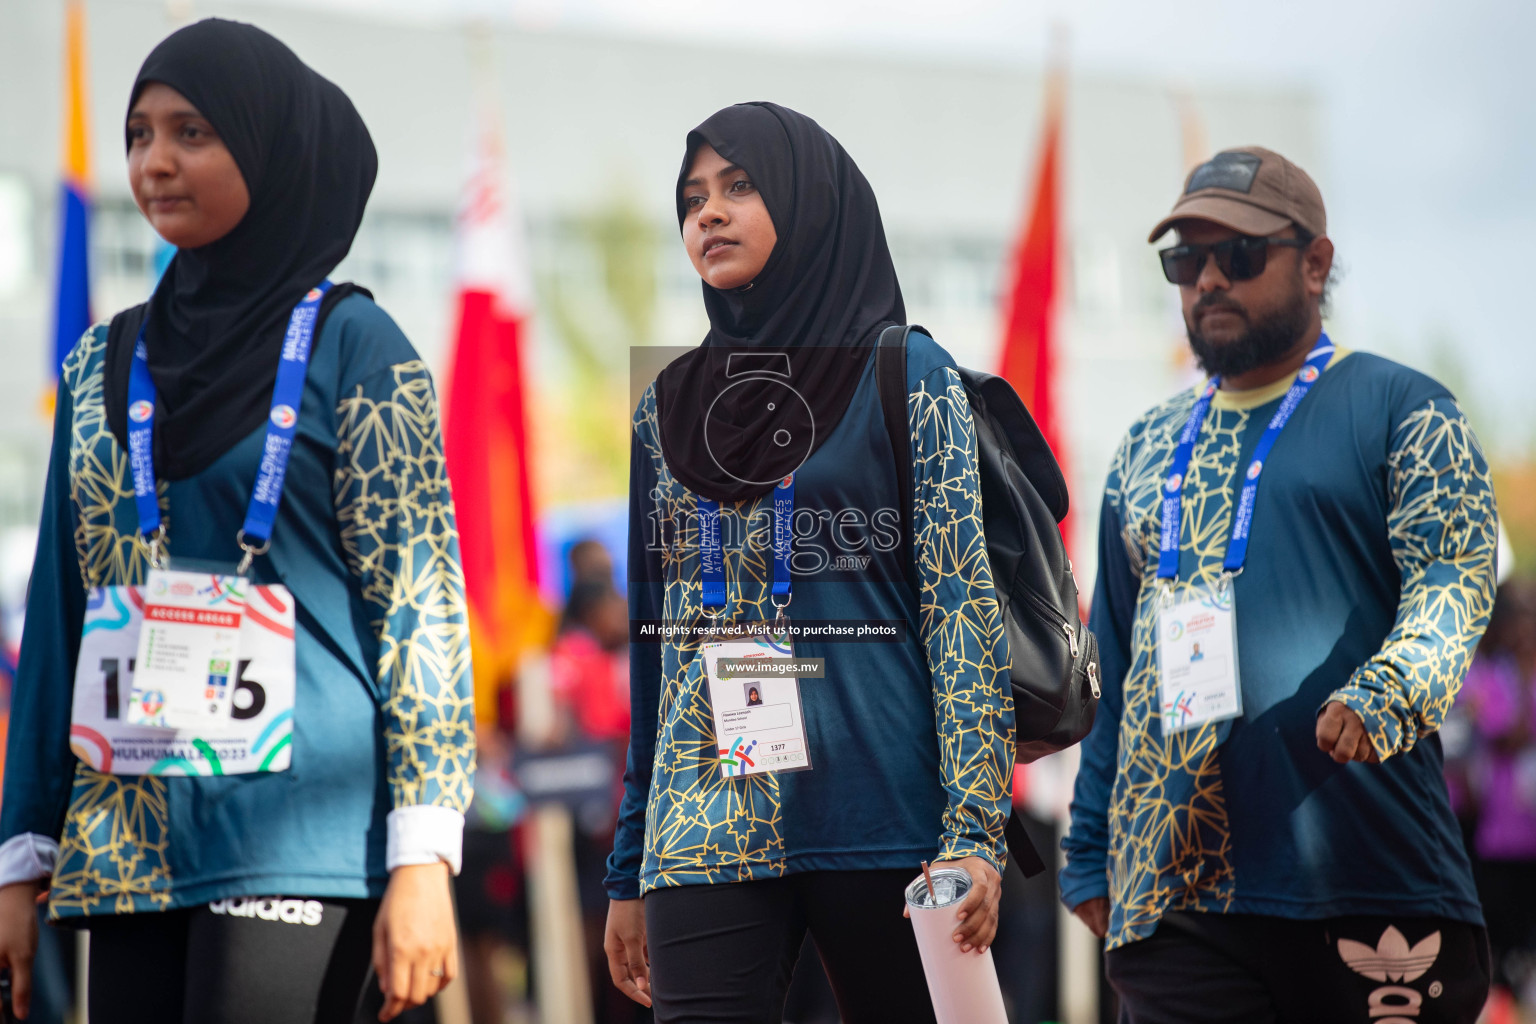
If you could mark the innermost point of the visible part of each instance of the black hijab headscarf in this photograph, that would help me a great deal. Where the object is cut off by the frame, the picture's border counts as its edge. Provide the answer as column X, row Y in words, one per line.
column 215, row 325
column 784, row 354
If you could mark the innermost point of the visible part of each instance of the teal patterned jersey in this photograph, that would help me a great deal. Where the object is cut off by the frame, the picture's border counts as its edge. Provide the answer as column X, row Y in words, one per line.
column 910, row 740
column 366, row 543
column 1368, row 581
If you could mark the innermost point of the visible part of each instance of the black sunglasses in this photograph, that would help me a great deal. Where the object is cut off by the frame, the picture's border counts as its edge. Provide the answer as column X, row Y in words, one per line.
column 1238, row 259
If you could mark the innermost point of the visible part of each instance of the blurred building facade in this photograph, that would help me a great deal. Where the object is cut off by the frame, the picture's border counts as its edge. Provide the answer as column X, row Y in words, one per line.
column 594, row 128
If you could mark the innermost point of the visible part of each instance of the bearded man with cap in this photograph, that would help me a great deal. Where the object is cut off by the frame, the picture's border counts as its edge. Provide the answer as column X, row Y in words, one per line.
column 1262, row 833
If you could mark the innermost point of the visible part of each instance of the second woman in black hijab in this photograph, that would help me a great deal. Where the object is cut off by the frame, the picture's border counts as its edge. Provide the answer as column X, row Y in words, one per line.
column 246, row 877
column 909, row 741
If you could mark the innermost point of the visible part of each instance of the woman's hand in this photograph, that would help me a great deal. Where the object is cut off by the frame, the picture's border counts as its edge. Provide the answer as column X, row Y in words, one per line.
column 18, row 940
column 415, row 943
column 629, row 962
column 978, row 911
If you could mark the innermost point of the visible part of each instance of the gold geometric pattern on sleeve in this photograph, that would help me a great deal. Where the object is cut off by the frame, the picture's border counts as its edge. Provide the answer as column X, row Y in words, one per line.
column 113, row 854
column 1443, row 525
column 395, row 512
column 961, row 625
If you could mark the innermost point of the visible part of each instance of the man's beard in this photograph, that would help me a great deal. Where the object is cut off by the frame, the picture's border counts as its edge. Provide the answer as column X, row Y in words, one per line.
column 1267, row 340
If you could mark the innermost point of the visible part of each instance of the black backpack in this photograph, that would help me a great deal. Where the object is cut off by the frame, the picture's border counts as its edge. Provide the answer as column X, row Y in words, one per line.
column 1054, row 660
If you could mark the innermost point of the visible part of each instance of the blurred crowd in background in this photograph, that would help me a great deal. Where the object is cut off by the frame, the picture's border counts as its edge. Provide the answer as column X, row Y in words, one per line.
column 1490, row 767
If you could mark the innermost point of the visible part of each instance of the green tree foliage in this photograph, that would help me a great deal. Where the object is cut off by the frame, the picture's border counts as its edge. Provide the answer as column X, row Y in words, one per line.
column 598, row 295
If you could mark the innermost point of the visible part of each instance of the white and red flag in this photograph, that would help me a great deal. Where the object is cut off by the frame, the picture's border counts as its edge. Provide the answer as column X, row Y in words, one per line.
column 487, row 442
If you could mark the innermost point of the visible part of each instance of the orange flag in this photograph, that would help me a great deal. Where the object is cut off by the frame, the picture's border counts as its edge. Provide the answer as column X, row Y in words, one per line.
column 72, row 310
column 1029, row 358
column 486, row 438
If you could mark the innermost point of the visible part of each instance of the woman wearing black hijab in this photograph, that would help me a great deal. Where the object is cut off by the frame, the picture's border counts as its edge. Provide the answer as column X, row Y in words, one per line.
column 772, row 429
column 247, row 861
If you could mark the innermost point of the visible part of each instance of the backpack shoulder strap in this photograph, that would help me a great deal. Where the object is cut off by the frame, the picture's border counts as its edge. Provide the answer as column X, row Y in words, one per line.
column 891, row 376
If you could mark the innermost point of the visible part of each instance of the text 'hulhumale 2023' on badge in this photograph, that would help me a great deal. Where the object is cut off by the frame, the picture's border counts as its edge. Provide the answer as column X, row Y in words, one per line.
column 193, row 673
column 754, row 691
column 1197, row 669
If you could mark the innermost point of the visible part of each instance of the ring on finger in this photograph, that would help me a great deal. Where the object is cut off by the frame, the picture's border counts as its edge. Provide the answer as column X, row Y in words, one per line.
column 436, row 972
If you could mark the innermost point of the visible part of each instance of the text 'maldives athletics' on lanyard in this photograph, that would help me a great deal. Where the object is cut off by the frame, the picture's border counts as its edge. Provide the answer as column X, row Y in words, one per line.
column 1242, row 519
column 712, row 555
column 287, row 394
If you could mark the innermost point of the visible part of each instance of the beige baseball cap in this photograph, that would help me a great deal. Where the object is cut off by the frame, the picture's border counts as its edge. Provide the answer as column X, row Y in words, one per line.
column 1249, row 189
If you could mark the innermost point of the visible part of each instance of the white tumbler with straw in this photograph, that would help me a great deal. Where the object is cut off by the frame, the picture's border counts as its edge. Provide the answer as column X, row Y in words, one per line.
column 963, row 986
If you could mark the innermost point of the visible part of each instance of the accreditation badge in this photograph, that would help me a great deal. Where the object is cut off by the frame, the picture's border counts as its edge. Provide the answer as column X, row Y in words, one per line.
column 754, row 697
column 118, row 723
column 1197, row 657
column 189, row 645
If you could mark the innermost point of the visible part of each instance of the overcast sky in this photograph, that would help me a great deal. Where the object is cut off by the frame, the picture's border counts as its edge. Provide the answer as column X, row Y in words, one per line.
column 1429, row 126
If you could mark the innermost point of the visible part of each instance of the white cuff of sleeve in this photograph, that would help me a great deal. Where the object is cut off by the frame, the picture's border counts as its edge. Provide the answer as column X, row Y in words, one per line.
column 28, row 857
column 425, row 834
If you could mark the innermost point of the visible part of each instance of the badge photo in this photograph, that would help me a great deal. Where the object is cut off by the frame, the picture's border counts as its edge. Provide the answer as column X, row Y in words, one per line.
column 758, row 717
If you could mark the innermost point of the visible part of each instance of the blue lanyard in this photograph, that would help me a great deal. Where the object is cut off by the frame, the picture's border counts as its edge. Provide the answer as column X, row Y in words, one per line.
column 712, row 556
column 1242, row 519
column 287, row 394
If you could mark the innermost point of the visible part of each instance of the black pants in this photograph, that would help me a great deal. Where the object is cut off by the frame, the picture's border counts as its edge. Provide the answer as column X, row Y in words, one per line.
column 239, row 961
column 722, row 954
column 1242, row 969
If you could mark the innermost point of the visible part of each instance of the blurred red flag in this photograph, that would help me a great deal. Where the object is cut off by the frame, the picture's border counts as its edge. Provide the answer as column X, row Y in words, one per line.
column 1029, row 360
column 486, row 437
